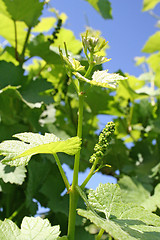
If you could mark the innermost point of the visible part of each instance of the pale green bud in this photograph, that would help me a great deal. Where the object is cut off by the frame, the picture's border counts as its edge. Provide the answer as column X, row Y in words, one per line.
column 100, row 59
column 90, row 43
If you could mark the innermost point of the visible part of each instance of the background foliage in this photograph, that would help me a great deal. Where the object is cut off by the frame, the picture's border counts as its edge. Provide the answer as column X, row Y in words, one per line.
column 37, row 96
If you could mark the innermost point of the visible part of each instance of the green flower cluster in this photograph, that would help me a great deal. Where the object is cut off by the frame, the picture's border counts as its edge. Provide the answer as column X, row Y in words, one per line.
column 104, row 139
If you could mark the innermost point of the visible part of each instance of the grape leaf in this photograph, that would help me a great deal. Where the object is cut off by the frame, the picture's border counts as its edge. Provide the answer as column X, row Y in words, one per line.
column 36, row 91
column 8, row 55
column 31, row 228
column 8, row 32
column 12, row 174
column 27, row 10
column 38, row 229
column 15, row 77
column 19, row 152
column 45, row 24
column 149, row 4
column 122, row 221
column 12, row 113
column 103, row 7
column 152, row 44
column 102, row 79
column 9, row 230
column 39, row 46
column 134, row 191
column 154, row 62
column 65, row 35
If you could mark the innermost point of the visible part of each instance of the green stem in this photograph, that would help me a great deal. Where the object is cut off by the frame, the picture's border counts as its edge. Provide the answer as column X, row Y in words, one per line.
column 90, row 174
column 62, row 171
column 91, row 65
column 25, row 45
column 16, row 43
column 100, row 234
column 89, row 70
column 15, row 213
column 73, row 191
column 110, row 237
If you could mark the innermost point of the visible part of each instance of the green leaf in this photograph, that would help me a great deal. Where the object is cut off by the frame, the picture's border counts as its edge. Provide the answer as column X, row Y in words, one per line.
column 15, row 77
column 140, row 60
column 122, row 221
column 149, row 4
column 126, row 89
column 8, row 55
column 105, row 79
column 12, row 174
column 153, row 202
column 39, row 46
column 134, row 191
column 65, row 35
column 103, row 7
column 38, row 229
column 101, row 100
column 12, row 113
column 27, row 10
column 154, row 62
column 54, row 198
column 19, row 152
column 43, row 169
column 9, row 230
column 31, row 229
column 36, row 91
column 45, row 24
column 102, row 79
column 148, row 91
column 8, row 32
column 152, row 45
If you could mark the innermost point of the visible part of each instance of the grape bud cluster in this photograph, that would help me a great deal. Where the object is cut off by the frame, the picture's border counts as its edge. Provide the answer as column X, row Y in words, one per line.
column 104, row 139
column 56, row 31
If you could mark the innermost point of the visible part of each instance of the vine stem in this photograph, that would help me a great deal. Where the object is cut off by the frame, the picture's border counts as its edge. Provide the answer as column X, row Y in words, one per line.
column 25, row 45
column 73, row 192
column 16, row 42
column 73, row 200
column 100, row 234
column 110, row 237
column 14, row 214
column 62, row 171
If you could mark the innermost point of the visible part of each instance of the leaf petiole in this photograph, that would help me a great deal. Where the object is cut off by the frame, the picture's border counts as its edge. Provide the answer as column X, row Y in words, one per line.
column 62, row 171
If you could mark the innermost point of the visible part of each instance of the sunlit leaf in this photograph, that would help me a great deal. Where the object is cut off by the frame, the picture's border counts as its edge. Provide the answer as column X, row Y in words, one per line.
column 134, row 191
column 12, row 174
column 19, row 152
column 31, row 229
column 9, row 230
column 45, row 24
column 73, row 45
column 102, row 79
column 7, row 31
column 149, row 4
column 38, row 229
column 122, row 221
column 26, row 10
column 152, row 45
column 103, row 7
column 40, row 47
